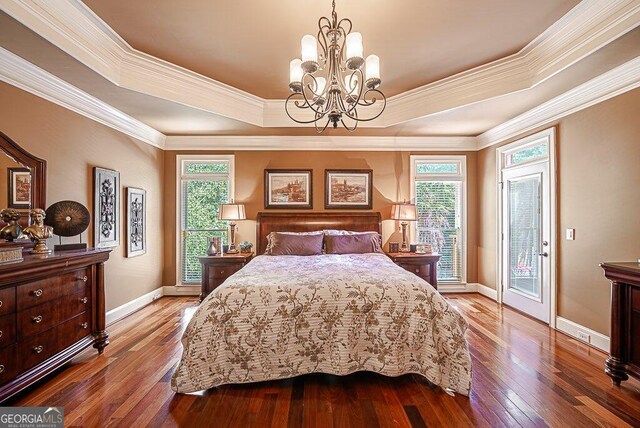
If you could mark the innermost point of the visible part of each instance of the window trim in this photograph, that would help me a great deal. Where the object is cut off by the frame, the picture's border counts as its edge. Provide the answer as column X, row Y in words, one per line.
column 178, row 207
column 461, row 176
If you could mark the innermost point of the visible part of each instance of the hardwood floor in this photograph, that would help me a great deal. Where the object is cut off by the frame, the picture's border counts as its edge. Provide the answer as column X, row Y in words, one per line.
column 523, row 375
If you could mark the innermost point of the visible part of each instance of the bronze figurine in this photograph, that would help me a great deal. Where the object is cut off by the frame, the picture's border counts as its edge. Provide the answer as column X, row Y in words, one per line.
column 12, row 229
column 38, row 232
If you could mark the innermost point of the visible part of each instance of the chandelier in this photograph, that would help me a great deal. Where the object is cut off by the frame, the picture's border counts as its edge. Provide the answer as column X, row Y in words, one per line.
column 335, row 83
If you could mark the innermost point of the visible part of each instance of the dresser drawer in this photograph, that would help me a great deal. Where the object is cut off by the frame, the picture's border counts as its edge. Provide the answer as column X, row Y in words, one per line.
column 7, row 330
column 48, row 289
column 43, row 317
column 224, row 271
column 7, row 300
column 8, row 364
column 38, row 348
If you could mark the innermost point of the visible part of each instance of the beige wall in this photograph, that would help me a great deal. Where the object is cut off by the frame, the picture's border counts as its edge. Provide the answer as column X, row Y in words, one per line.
column 598, row 194
column 390, row 184
column 72, row 145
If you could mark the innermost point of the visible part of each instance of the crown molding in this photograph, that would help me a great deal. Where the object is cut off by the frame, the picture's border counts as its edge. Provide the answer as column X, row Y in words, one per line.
column 26, row 76
column 623, row 78
column 321, row 143
column 73, row 27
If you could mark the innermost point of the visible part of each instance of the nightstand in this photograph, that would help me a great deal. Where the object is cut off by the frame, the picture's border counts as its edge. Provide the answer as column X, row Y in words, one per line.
column 423, row 265
column 215, row 269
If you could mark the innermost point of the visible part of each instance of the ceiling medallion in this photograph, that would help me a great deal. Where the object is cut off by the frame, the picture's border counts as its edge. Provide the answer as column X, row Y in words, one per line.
column 334, row 84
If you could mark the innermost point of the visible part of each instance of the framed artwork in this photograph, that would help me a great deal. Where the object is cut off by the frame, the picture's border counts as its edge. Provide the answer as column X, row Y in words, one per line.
column 348, row 189
column 106, row 208
column 136, row 229
column 286, row 189
column 19, row 191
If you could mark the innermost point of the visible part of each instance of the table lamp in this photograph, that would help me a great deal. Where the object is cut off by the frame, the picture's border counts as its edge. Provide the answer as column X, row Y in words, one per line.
column 404, row 213
column 232, row 212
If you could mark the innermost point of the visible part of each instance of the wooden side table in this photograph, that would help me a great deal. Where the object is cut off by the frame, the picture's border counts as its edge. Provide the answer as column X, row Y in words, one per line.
column 216, row 269
column 423, row 265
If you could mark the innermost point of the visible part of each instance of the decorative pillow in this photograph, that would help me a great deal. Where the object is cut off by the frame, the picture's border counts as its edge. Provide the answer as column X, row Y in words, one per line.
column 358, row 243
column 294, row 244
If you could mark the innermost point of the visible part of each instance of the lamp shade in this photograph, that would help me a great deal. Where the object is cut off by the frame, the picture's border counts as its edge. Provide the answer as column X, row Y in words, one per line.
column 405, row 212
column 232, row 212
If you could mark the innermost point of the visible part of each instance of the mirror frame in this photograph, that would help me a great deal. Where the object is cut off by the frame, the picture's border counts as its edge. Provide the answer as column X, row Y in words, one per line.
column 38, row 170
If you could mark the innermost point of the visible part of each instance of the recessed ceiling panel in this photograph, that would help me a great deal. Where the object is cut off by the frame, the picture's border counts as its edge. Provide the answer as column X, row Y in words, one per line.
column 248, row 44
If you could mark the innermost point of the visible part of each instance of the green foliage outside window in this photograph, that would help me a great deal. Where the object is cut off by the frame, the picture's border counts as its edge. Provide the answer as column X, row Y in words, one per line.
column 193, row 167
column 437, row 204
column 437, row 168
column 201, row 199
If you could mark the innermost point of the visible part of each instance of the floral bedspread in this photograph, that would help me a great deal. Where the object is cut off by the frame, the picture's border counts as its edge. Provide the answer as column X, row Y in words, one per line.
column 284, row 316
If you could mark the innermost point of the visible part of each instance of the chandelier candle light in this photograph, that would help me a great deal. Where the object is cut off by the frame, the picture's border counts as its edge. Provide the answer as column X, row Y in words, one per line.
column 334, row 83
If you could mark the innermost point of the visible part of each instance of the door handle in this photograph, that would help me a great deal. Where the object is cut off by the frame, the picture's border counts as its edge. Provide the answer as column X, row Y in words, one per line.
column 545, row 254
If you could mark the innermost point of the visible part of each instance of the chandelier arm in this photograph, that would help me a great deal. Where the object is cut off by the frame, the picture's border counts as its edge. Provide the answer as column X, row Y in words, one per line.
column 322, row 38
column 286, row 109
column 355, row 126
column 348, row 21
column 351, row 93
column 383, row 98
column 363, row 101
column 320, row 130
column 318, row 96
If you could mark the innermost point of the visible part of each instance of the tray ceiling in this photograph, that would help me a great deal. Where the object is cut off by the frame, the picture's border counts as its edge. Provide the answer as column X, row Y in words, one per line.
column 248, row 44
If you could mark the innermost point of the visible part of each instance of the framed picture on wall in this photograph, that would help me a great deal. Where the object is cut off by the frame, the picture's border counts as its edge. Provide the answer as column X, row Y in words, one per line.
column 136, row 230
column 287, row 189
column 19, row 187
column 106, row 208
column 348, row 189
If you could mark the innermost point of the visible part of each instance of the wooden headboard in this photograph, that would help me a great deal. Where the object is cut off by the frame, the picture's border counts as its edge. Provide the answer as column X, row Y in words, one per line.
column 307, row 222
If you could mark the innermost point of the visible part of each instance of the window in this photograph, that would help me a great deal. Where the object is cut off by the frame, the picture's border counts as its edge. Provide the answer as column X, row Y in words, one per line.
column 204, row 182
column 439, row 190
column 536, row 151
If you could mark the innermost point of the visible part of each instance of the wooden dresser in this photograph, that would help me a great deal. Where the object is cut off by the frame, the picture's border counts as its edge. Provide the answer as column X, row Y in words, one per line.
column 51, row 308
column 216, row 269
column 423, row 265
column 624, row 353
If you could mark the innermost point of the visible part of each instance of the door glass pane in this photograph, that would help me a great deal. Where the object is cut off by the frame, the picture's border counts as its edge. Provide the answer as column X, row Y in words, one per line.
column 524, row 234
column 200, row 201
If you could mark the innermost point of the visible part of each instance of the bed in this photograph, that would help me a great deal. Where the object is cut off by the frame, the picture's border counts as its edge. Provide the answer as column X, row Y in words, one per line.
column 285, row 316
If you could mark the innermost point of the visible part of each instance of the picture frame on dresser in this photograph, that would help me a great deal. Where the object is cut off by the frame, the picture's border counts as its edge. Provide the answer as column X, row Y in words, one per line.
column 136, row 229
column 106, row 207
column 349, row 189
column 288, row 188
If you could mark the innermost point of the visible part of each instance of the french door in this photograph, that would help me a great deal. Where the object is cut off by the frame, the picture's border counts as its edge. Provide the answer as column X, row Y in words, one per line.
column 526, row 227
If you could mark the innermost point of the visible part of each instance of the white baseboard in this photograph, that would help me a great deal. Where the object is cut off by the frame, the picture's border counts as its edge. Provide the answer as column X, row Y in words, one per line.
column 182, row 290
column 456, row 288
column 597, row 340
column 130, row 307
column 488, row 292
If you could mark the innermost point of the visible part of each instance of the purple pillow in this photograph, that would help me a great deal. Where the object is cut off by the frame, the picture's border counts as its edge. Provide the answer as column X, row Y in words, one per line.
column 293, row 244
column 361, row 243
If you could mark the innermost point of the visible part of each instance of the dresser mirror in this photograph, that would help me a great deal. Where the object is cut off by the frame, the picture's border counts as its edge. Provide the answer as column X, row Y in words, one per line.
column 22, row 179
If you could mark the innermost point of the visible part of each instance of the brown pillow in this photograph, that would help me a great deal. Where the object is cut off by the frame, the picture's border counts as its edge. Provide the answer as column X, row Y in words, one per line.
column 293, row 244
column 353, row 244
